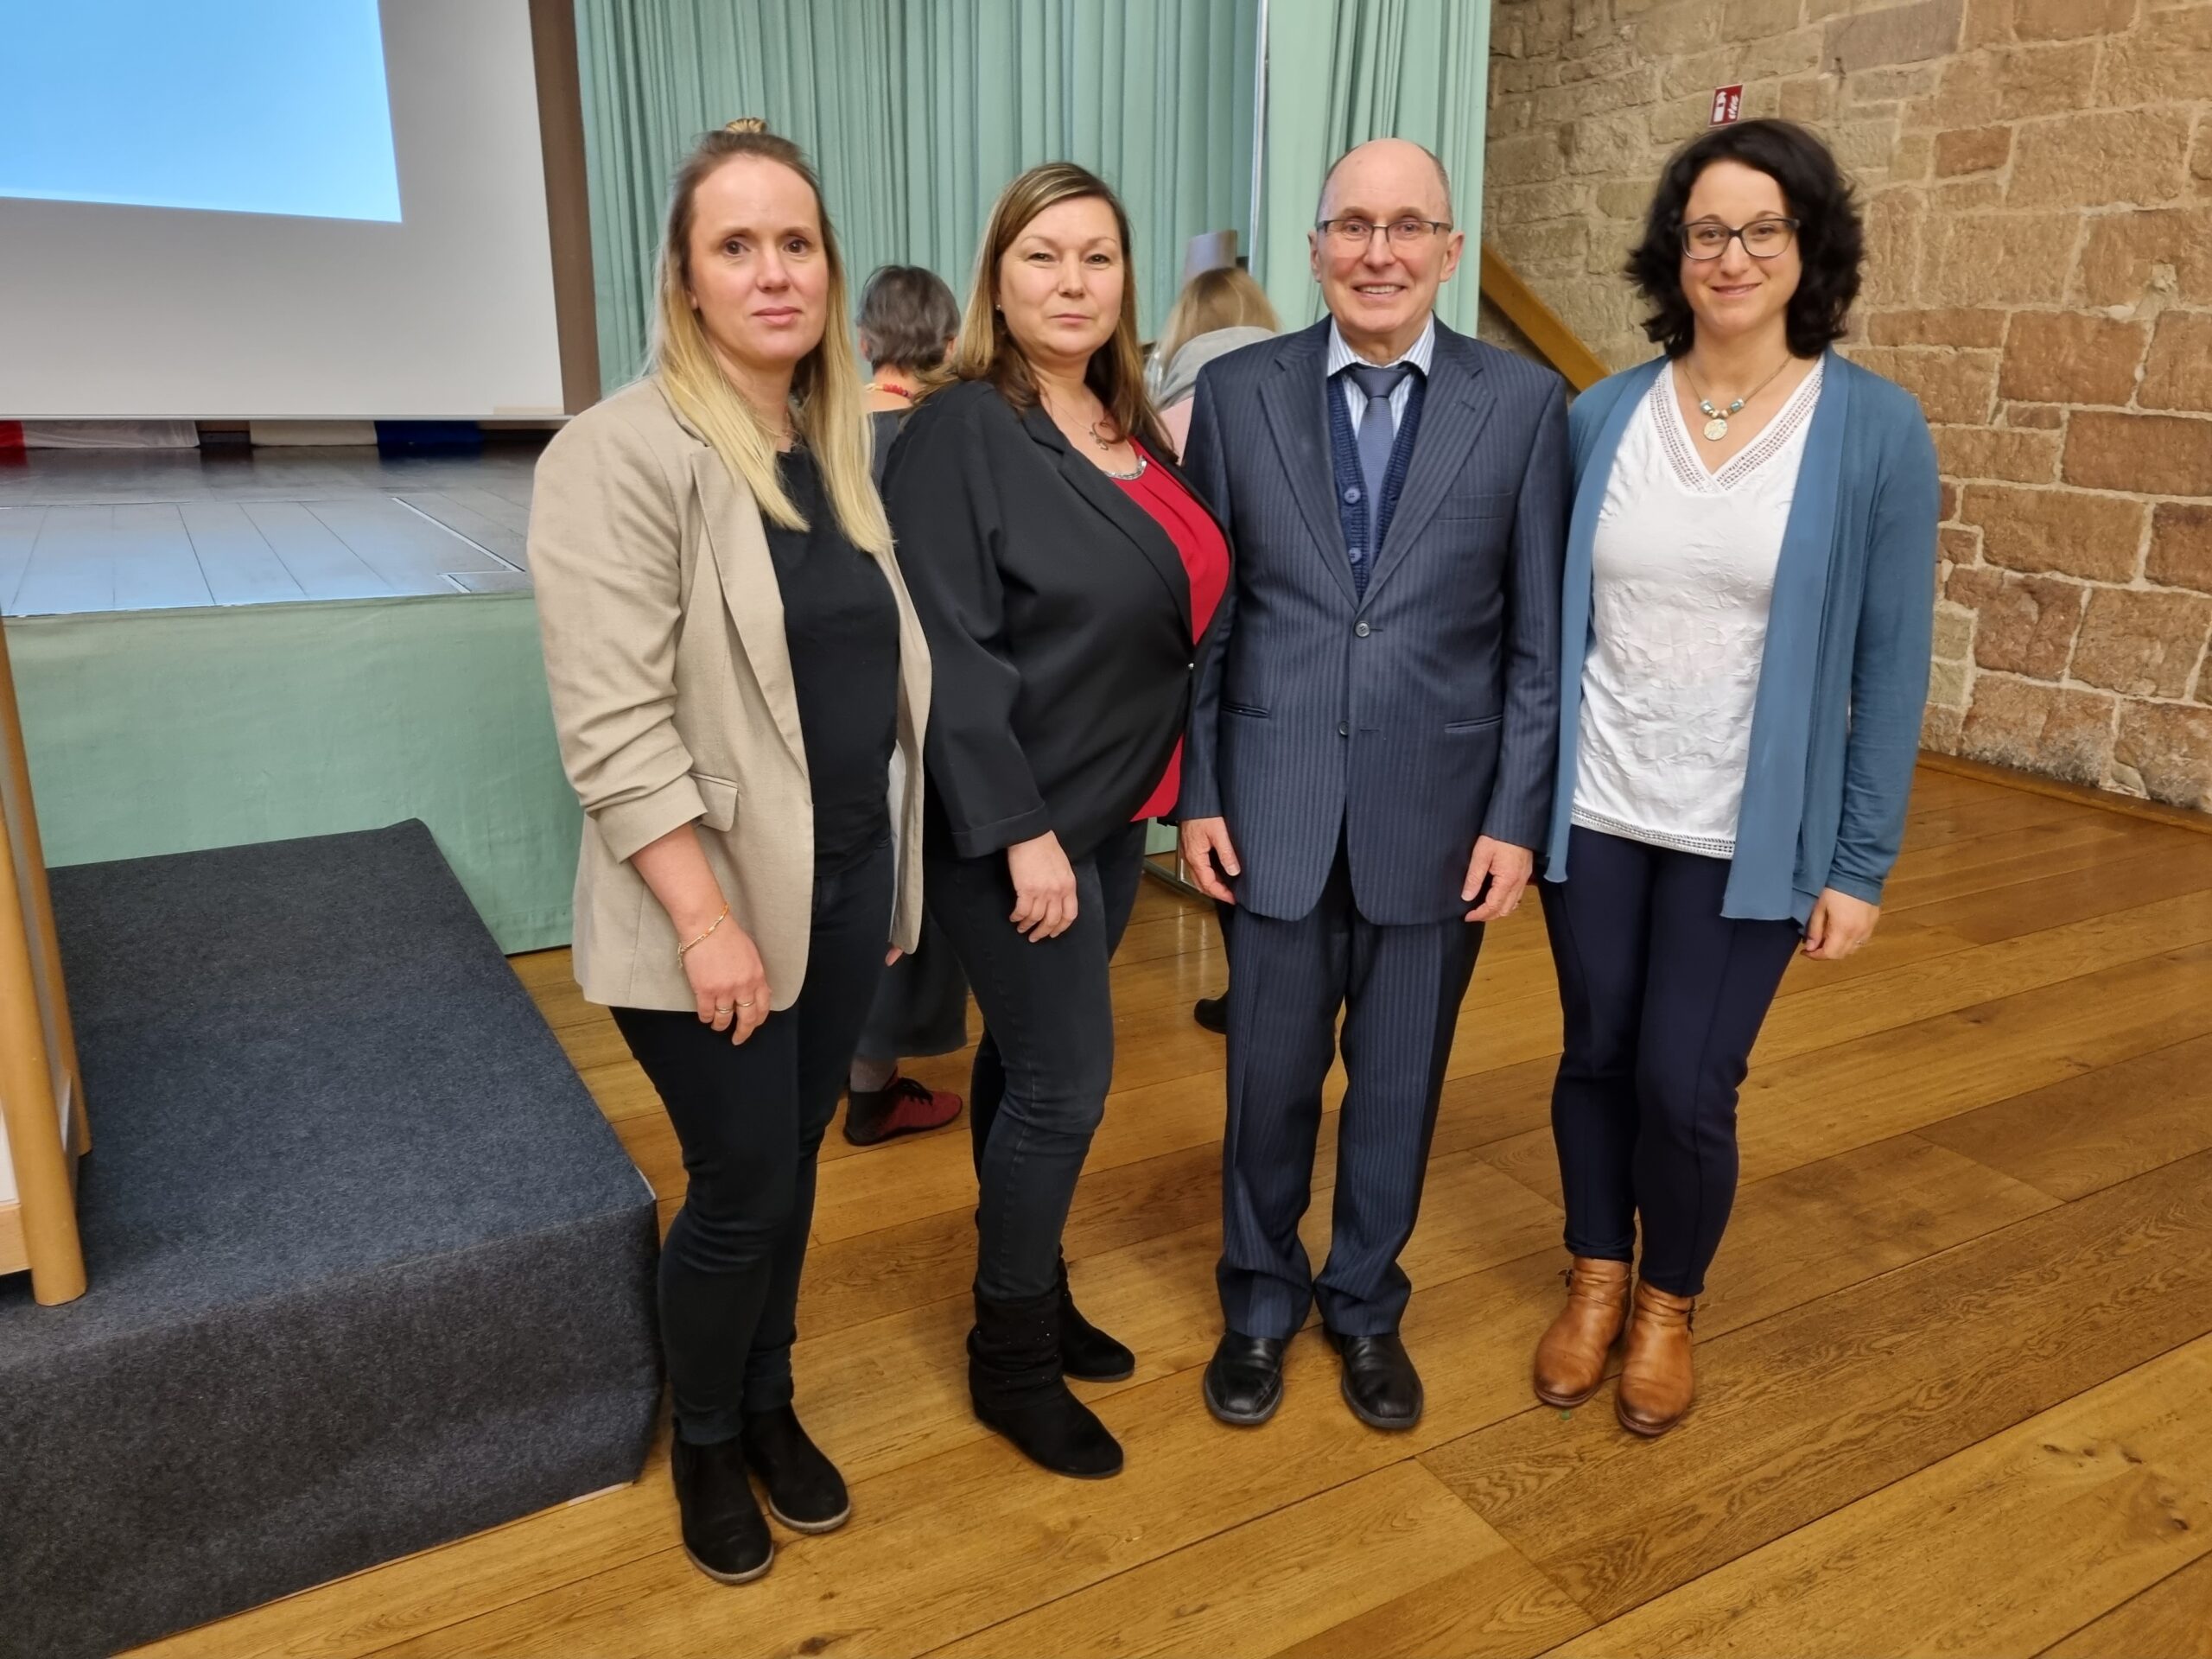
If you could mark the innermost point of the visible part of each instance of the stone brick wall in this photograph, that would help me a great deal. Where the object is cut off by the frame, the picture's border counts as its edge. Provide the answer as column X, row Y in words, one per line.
column 2037, row 177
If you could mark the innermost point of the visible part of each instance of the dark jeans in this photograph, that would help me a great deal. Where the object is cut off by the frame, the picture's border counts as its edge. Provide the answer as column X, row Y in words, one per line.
column 1664, row 997
column 1047, row 1058
column 750, row 1117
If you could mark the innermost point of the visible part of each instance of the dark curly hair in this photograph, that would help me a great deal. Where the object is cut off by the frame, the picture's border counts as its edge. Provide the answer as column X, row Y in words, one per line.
column 1830, row 240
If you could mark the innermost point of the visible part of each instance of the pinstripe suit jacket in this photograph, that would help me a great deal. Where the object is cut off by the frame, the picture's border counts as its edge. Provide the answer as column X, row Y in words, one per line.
column 1416, row 718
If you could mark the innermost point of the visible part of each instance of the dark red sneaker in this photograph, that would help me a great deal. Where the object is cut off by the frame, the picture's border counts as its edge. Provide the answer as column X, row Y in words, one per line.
column 900, row 1107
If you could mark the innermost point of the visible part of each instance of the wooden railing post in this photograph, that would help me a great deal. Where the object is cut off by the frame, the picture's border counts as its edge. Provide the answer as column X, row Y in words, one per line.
column 38, row 1086
column 1503, row 288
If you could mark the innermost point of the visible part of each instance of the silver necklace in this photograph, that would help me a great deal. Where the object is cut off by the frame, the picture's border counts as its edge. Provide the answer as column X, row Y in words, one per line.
column 1716, row 420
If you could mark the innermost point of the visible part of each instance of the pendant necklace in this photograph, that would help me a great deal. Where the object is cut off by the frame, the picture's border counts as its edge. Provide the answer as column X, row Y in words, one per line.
column 1716, row 420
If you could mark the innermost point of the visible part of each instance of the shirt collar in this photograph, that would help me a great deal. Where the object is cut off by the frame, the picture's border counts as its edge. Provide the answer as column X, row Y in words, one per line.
column 1419, row 354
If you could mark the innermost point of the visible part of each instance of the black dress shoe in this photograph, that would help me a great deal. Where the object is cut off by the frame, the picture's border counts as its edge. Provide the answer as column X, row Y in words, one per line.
column 805, row 1491
column 724, row 1532
column 1380, row 1385
column 1088, row 1354
column 1212, row 1012
column 1243, row 1379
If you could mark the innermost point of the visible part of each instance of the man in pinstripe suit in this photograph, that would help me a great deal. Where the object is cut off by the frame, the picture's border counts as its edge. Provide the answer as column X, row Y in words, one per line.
column 1371, row 752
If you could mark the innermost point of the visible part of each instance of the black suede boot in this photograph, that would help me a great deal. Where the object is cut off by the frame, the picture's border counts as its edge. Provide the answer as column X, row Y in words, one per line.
column 805, row 1491
column 1088, row 1354
column 1014, row 1381
column 723, row 1532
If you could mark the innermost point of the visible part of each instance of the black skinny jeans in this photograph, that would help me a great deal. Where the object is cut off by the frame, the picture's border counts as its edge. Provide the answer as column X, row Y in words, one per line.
column 750, row 1117
column 1047, row 1058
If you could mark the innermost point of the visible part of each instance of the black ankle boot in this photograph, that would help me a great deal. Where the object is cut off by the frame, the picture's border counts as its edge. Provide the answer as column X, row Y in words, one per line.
column 723, row 1532
column 1088, row 1354
column 1014, row 1381
column 805, row 1491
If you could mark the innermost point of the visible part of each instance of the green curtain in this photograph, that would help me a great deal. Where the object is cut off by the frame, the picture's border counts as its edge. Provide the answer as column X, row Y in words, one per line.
column 1341, row 71
column 915, row 113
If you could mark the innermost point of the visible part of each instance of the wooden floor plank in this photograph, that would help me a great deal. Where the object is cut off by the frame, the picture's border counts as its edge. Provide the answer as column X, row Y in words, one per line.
column 2172, row 1619
column 2086, row 1133
column 1804, row 1413
column 1286, row 1577
column 1993, row 1550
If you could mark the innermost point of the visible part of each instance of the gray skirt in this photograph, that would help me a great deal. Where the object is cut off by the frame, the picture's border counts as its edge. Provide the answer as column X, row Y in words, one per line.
column 921, row 1004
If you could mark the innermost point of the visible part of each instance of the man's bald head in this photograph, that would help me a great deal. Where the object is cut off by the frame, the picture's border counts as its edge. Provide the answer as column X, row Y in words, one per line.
column 1397, row 172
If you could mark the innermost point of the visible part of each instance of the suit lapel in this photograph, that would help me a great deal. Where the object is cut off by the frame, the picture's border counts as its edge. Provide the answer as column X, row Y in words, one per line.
column 1454, row 410
column 1295, row 397
column 731, row 523
column 1111, row 499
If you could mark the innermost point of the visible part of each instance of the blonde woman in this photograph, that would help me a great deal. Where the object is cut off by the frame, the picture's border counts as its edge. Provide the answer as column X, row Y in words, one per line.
column 1062, row 569
column 1217, row 312
column 733, row 661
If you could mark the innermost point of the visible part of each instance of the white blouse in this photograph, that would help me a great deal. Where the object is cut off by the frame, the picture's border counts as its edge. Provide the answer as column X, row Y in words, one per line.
column 1682, row 572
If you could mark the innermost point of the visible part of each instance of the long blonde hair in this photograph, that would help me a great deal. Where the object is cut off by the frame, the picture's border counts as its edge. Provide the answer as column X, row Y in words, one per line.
column 828, row 412
column 1224, row 298
column 985, row 351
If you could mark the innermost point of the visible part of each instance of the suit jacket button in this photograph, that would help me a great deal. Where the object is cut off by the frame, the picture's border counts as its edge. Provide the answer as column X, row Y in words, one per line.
column 1361, row 629
column 1343, row 728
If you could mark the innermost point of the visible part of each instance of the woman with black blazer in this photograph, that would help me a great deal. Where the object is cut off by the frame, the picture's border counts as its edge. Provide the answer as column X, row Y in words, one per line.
column 1054, row 556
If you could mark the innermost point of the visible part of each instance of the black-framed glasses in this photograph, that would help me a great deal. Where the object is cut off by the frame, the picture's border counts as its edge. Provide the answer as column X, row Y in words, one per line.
column 1763, row 238
column 1359, row 232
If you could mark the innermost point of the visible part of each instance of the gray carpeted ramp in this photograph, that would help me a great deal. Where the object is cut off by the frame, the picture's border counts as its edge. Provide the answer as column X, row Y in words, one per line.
column 369, row 1270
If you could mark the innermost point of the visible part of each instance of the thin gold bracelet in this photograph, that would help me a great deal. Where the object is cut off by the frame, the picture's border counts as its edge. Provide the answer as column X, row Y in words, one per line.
column 702, row 939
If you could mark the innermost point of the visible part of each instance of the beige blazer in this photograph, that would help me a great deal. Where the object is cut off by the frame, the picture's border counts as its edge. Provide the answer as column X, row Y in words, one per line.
column 663, row 634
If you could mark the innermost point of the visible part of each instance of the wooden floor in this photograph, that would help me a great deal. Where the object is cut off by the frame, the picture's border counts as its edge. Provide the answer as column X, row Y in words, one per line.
column 107, row 529
column 1955, row 1364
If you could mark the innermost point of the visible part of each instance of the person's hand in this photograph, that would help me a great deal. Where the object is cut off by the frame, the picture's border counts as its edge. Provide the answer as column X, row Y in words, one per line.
column 1208, row 856
column 891, row 957
column 1044, row 887
column 1507, row 869
column 1839, row 924
column 729, row 980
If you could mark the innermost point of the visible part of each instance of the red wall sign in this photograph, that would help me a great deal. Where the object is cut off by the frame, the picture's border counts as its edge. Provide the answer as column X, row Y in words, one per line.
column 1727, row 105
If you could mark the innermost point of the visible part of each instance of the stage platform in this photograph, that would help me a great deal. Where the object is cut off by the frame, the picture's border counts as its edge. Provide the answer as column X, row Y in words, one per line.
column 369, row 1272
column 217, row 647
column 122, row 530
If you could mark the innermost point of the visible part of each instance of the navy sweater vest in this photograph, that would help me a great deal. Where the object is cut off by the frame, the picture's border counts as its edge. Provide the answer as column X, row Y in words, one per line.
column 1366, row 523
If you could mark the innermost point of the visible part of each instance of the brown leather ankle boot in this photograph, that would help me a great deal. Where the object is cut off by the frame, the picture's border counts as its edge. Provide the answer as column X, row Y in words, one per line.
column 1571, row 1358
column 1656, row 1382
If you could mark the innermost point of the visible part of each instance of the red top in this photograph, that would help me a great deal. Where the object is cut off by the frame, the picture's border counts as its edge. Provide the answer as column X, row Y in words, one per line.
column 1205, row 553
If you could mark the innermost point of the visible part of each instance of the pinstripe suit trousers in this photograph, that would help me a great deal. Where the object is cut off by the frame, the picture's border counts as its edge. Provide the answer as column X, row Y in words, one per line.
column 1399, row 989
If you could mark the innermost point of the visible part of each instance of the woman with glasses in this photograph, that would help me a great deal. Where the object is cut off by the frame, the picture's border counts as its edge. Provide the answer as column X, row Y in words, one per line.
column 1747, row 611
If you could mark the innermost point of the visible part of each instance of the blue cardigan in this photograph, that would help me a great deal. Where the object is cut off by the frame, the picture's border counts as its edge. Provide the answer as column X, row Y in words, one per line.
column 1835, row 723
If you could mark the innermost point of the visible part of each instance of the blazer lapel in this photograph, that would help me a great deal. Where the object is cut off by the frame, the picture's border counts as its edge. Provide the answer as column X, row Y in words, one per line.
column 1110, row 499
column 1295, row 398
column 731, row 523
column 1453, row 412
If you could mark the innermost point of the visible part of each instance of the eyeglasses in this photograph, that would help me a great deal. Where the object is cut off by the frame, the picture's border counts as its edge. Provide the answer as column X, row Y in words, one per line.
column 1360, row 232
column 1763, row 238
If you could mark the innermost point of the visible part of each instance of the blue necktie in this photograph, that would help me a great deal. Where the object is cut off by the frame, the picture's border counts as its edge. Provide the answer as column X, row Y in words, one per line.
column 1379, row 436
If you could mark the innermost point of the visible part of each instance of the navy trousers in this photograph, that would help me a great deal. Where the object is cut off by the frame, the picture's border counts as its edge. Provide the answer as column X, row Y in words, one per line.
column 1664, row 998
column 1400, row 989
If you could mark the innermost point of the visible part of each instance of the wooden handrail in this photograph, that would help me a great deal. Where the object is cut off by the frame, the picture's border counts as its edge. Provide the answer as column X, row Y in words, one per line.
column 36, row 1086
column 1503, row 288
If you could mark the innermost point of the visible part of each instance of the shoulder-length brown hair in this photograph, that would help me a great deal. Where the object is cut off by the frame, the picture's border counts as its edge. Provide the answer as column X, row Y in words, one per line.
column 985, row 351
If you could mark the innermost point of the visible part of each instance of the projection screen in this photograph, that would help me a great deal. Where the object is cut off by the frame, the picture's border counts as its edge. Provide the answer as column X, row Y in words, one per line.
column 273, row 209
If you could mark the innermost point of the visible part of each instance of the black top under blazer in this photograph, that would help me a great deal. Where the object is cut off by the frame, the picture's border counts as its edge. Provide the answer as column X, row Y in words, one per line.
column 1058, row 619
column 1402, row 722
